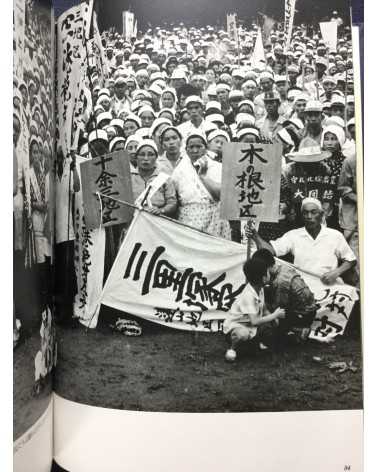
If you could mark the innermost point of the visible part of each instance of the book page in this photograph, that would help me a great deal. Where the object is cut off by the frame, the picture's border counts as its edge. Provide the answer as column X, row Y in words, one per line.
column 34, row 350
column 195, row 321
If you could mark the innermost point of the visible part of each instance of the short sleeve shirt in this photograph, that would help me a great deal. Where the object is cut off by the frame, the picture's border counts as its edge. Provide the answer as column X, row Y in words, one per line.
column 249, row 304
column 318, row 255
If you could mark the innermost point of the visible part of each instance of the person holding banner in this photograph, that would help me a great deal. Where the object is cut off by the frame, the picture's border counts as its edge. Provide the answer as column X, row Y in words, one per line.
column 197, row 178
column 152, row 189
column 317, row 250
column 289, row 291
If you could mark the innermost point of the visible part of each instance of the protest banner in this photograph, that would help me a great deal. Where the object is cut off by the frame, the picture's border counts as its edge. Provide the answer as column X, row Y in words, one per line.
column 109, row 175
column 153, row 278
column 71, row 58
column 328, row 30
column 98, row 53
column 89, row 250
column 128, row 24
column 267, row 25
column 289, row 21
column 258, row 56
column 251, row 175
column 231, row 26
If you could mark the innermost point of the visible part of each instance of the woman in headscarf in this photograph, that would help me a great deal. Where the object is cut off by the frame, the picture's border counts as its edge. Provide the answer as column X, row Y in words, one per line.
column 170, row 141
column 332, row 140
column 198, row 182
column 131, row 146
column 168, row 99
column 152, row 189
column 131, row 124
column 217, row 139
column 146, row 115
column 39, row 193
column 156, row 129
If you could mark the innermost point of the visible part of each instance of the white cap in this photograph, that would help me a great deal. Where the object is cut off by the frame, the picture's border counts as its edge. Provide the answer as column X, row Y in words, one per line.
column 313, row 201
column 245, row 131
column 216, row 133
column 105, row 115
column 314, row 105
column 114, row 141
column 193, row 99
column 98, row 134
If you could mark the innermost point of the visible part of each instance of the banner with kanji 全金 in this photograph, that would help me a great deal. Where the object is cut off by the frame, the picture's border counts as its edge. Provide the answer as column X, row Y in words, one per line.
column 108, row 175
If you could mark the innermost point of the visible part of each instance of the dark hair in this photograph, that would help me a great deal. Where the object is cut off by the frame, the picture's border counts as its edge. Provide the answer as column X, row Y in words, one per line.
column 265, row 255
column 254, row 270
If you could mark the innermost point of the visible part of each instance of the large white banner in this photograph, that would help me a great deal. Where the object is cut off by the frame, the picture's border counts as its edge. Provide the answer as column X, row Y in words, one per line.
column 181, row 278
column 329, row 34
column 289, row 21
column 71, row 66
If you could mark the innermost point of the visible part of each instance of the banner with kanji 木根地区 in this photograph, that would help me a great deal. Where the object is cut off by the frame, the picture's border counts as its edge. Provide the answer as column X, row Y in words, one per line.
column 251, row 176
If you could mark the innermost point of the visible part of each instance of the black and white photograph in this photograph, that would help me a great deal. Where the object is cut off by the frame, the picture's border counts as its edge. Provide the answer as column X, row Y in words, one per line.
column 206, row 230
column 34, row 352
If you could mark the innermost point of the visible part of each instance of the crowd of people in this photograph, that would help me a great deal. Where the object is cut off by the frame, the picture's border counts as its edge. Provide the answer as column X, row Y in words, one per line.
column 33, row 131
column 173, row 98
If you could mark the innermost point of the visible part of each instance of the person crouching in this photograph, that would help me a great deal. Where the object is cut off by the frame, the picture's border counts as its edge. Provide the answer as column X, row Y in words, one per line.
column 249, row 318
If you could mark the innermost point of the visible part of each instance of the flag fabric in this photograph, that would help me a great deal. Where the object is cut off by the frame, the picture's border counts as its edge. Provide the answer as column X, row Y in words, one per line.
column 71, row 58
column 181, row 278
column 267, row 26
column 231, row 26
column 88, row 19
column 258, row 56
column 128, row 24
column 289, row 21
column 329, row 34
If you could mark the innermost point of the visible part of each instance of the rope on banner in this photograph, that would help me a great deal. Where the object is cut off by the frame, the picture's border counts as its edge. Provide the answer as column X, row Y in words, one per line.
column 131, row 205
column 98, row 195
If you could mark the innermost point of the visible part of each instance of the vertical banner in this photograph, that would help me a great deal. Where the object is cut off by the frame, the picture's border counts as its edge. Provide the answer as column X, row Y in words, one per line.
column 289, row 21
column 329, row 34
column 71, row 61
column 266, row 28
column 128, row 24
column 251, row 175
column 19, row 36
column 231, row 26
column 89, row 249
column 89, row 13
column 109, row 175
column 98, row 52
column 258, row 55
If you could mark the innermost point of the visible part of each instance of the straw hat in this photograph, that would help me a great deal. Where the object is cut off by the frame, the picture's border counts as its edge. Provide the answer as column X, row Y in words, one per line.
column 309, row 154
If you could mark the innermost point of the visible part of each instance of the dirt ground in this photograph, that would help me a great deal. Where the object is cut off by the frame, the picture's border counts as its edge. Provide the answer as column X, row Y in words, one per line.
column 176, row 371
column 27, row 408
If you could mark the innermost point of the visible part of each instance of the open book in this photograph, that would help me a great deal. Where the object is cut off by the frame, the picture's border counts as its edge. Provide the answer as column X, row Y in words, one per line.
column 186, row 237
